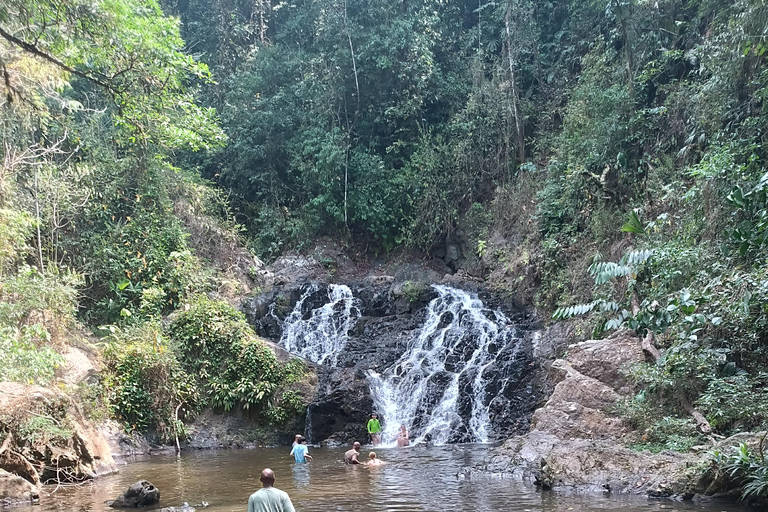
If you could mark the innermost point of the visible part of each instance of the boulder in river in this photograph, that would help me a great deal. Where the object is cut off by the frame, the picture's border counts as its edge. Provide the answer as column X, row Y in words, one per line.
column 14, row 490
column 140, row 494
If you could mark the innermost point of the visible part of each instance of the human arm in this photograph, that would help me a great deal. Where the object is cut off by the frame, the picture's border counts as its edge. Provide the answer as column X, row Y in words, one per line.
column 251, row 507
column 308, row 457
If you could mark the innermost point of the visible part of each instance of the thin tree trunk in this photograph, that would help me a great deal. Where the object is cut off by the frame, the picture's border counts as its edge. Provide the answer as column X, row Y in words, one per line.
column 516, row 113
column 39, row 238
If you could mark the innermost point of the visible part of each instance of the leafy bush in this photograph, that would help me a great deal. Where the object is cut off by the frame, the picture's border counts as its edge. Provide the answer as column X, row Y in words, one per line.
column 746, row 468
column 232, row 366
column 22, row 360
column 36, row 309
column 145, row 383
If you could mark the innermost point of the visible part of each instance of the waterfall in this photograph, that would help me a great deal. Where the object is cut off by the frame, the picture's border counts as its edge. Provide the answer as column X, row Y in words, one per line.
column 438, row 386
column 321, row 334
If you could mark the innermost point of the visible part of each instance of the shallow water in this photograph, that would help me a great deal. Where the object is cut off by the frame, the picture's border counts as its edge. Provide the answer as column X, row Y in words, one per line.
column 417, row 478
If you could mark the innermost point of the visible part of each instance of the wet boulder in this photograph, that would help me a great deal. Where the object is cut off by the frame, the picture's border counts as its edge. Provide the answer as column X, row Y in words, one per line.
column 14, row 490
column 140, row 494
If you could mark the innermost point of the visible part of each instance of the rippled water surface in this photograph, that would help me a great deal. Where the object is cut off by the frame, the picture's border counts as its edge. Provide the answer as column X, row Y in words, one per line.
column 414, row 479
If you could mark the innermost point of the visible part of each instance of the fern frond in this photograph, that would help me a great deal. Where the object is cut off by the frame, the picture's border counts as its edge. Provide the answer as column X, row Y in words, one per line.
column 635, row 258
column 575, row 310
column 604, row 271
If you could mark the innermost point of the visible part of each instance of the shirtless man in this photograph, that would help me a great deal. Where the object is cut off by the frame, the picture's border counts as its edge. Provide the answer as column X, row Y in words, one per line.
column 350, row 456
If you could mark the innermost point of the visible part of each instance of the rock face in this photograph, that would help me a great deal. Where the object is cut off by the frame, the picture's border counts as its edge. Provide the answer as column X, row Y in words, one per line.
column 140, row 494
column 389, row 311
column 62, row 442
column 574, row 440
column 14, row 490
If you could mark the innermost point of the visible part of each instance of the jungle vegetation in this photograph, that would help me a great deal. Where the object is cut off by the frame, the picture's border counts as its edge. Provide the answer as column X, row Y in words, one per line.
column 526, row 132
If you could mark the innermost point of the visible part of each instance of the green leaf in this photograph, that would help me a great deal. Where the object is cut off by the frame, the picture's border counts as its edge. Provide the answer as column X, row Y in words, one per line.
column 633, row 225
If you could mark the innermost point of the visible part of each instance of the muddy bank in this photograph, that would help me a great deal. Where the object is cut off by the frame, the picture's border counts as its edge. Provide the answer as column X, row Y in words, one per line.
column 46, row 438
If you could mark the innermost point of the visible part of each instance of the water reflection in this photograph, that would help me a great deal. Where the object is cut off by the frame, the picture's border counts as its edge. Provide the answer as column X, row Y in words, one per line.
column 413, row 479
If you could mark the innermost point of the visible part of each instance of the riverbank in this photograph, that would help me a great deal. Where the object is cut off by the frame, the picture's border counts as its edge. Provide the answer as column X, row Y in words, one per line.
column 578, row 441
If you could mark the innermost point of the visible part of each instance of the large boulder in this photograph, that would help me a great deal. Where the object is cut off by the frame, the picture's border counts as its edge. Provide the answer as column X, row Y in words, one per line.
column 14, row 490
column 576, row 440
column 140, row 494
column 67, row 447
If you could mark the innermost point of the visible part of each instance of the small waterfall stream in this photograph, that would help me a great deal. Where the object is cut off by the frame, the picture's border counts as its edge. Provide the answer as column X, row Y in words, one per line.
column 448, row 373
column 438, row 387
column 321, row 334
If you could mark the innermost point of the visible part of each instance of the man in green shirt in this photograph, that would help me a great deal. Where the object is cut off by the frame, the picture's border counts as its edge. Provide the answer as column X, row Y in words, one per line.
column 374, row 429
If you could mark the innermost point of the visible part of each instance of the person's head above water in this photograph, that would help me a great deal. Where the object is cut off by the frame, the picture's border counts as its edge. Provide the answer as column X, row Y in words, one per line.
column 297, row 437
column 302, row 440
column 372, row 455
column 267, row 477
column 356, row 445
column 374, row 415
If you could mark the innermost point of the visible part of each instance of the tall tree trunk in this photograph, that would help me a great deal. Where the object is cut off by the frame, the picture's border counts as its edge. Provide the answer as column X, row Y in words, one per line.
column 516, row 109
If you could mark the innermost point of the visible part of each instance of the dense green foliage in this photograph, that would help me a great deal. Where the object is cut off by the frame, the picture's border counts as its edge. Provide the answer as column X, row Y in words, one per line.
column 232, row 366
column 207, row 357
column 601, row 157
column 98, row 102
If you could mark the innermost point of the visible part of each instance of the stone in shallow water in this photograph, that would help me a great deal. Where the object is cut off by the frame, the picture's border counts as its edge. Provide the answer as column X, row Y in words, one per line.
column 14, row 490
column 140, row 494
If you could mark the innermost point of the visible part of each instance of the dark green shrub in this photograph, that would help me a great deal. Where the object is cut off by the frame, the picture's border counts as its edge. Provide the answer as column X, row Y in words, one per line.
column 145, row 382
column 232, row 366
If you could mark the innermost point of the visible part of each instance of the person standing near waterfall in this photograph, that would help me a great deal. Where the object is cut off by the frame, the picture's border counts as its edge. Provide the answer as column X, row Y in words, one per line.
column 374, row 429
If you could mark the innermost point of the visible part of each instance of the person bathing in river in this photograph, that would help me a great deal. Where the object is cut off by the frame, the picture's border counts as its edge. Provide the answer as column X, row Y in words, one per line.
column 373, row 460
column 300, row 451
column 374, row 429
column 296, row 440
column 402, row 436
column 351, row 456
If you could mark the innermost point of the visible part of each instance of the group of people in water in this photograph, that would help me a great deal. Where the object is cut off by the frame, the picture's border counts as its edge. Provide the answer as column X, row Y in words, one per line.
column 374, row 432
column 300, row 450
column 271, row 499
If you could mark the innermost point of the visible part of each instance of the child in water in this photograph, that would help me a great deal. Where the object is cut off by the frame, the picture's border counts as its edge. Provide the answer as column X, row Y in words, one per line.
column 373, row 461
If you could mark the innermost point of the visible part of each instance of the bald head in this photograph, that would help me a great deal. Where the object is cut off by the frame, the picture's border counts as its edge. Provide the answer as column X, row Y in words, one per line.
column 267, row 478
column 356, row 445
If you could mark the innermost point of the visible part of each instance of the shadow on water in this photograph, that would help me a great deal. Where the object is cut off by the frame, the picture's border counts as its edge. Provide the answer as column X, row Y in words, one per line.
column 418, row 478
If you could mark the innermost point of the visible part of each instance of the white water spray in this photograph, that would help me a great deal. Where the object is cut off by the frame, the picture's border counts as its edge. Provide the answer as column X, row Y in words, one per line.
column 324, row 334
column 438, row 386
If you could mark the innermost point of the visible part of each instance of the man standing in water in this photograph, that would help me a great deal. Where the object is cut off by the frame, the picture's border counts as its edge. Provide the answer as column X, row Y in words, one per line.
column 268, row 498
column 374, row 429
column 350, row 456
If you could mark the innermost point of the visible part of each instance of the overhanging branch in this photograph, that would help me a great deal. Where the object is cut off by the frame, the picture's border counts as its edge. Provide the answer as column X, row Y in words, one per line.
column 33, row 49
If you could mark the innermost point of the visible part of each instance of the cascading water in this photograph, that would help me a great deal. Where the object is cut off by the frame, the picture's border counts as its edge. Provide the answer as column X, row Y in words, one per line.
column 321, row 334
column 439, row 387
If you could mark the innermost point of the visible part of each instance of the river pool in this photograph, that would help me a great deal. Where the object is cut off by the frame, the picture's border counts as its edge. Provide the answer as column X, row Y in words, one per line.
column 417, row 478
